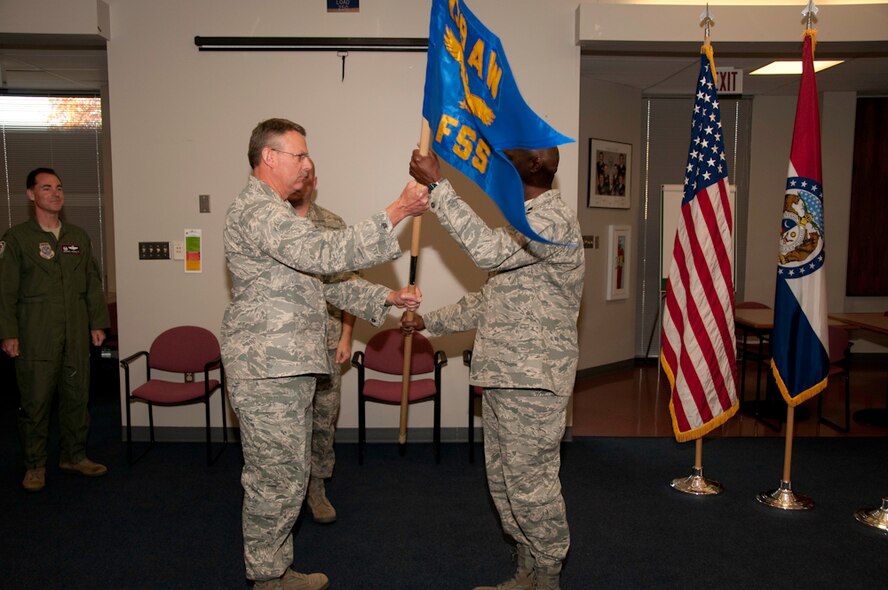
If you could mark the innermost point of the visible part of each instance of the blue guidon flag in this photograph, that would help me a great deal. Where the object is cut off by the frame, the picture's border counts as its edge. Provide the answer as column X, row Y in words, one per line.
column 799, row 344
column 475, row 110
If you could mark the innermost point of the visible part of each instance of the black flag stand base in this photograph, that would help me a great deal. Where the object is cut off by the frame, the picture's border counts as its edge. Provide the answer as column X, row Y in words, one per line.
column 696, row 484
column 785, row 499
column 877, row 518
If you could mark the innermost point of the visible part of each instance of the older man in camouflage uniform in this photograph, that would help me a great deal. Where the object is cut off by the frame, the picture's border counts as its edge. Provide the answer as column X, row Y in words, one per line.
column 525, row 352
column 328, row 395
column 273, row 333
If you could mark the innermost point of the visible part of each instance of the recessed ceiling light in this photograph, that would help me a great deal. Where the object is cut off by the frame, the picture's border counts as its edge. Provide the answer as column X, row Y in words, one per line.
column 784, row 68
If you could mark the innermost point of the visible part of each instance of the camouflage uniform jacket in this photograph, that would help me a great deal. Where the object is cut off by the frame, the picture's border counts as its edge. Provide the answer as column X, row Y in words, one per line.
column 274, row 325
column 326, row 219
column 526, row 312
column 51, row 292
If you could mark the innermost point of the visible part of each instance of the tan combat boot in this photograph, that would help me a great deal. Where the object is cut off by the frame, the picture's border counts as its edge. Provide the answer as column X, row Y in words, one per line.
column 523, row 579
column 547, row 577
column 293, row 580
column 35, row 479
column 321, row 509
column 84, row 467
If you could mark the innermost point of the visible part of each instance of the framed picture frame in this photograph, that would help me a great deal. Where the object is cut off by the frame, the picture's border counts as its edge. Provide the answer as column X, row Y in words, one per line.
column 619, row 248
column 610, row 172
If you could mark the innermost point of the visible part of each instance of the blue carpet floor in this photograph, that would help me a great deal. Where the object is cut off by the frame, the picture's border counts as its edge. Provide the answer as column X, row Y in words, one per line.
column 171, row 522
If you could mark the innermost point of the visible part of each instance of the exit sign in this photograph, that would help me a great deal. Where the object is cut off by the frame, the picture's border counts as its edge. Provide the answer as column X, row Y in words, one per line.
column 730, row 81
column 343, row 5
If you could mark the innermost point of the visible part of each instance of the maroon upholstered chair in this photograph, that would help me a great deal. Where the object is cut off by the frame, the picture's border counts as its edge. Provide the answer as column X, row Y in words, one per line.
column 839, row 366
column 384, row 355
column 190, row 351
column 474, row 393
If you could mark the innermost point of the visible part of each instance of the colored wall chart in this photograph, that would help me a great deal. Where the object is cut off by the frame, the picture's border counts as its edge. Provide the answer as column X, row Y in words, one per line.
column 193, row 250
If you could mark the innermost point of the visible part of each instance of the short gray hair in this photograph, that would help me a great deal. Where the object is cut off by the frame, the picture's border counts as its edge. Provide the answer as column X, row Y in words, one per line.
column 265, row 133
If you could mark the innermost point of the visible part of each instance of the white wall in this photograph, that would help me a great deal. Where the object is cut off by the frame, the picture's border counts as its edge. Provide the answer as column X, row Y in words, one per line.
column 182, row 119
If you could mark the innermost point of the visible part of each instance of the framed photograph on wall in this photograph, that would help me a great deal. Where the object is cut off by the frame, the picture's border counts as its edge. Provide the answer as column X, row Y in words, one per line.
column 618, row 250
column 610, row 169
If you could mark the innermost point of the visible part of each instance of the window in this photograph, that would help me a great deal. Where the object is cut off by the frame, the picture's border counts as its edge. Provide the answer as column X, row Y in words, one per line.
column 63, row 133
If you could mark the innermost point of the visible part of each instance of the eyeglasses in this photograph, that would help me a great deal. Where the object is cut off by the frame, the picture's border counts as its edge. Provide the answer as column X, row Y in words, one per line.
column 299, row 157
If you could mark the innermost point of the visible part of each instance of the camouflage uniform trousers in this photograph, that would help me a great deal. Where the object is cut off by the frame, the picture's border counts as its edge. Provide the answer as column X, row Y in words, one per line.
column 275, row 425
column 327, row 399
column 522, row 437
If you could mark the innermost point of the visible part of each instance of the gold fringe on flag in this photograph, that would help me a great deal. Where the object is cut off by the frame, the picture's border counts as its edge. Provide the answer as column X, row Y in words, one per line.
column 813, row 34
column 710, row 53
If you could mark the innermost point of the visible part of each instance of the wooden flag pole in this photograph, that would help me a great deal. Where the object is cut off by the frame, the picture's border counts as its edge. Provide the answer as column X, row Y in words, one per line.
column 787, row 447
column 783, row 497
column 425, row 142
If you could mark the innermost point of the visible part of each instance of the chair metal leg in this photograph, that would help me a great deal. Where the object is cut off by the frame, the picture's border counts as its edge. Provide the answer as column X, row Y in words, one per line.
column 436, row 433
column 743, row 356
column 471, row 424
column 827, row 421
column 361, row 430
column 210, row 458
column 209, row 434
column 129, row 434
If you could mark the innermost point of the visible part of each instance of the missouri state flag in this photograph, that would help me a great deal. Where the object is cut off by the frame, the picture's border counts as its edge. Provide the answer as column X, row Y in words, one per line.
column 475, row 110
column 698, row 352
column 799, row 343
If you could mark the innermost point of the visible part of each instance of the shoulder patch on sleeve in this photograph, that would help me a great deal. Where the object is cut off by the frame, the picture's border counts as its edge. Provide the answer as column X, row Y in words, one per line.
column 2, row 248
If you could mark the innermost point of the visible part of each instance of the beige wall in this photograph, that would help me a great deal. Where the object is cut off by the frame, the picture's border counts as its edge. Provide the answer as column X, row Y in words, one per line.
column 607, row 328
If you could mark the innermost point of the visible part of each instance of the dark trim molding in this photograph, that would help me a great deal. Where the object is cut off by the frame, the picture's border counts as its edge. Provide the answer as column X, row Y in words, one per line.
column 397, row 44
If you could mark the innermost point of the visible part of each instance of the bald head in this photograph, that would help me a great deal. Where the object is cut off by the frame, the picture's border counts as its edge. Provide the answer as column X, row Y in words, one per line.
column 537, row 168
column 549, row 158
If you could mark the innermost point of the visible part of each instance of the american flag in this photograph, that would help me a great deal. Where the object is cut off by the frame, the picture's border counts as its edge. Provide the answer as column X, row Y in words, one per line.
column 698, row 353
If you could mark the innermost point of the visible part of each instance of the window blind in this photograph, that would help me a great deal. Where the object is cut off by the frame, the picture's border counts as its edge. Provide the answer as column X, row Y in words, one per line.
column 59, row 132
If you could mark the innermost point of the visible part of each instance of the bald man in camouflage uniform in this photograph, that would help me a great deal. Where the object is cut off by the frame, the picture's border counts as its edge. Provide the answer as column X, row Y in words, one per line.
column 525, row 353
column 328, row 394
column 273, row 333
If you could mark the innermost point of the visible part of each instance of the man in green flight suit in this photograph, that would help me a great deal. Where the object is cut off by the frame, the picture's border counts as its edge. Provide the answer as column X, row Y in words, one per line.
column 51, row 307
